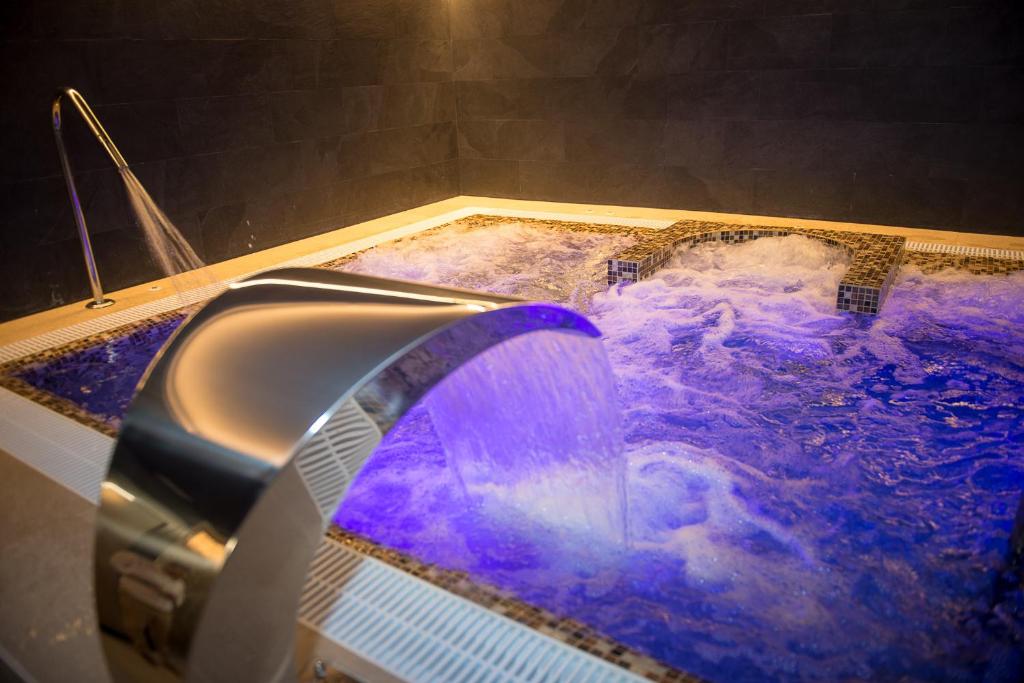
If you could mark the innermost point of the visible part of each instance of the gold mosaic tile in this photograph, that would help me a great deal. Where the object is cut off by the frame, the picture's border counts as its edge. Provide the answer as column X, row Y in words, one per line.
column 875, row 261
column 932, row 262
column 569, row 631
column 480, row 221
column 63, row 406
column 875, row 258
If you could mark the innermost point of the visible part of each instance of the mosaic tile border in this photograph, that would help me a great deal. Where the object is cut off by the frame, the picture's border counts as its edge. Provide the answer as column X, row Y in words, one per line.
column 935, row 261
column 479, row 221
column 875, row 258
column 110, row 427
column 568, row 631
column 63, row 406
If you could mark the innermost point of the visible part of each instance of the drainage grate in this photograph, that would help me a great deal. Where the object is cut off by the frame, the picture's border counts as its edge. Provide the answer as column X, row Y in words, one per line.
column 417, row 632
column 378, row 614
column 965, row 251
column 331, row 459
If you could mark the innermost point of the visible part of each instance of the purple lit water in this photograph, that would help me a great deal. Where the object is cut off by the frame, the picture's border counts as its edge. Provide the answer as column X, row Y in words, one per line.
column 102, row 379
column 812, row 495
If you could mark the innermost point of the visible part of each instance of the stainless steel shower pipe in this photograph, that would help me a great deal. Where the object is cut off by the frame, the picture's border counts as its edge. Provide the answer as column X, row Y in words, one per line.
column 73, row 96
column 245, row 433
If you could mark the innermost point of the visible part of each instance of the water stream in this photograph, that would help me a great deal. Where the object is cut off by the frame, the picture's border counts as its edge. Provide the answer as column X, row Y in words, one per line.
column 531, row 431
column 812, row 495
column 166, row 245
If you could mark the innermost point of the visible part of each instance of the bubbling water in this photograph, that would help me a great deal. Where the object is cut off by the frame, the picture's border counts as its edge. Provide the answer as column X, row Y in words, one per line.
column 813, row 495
column 531, row 429
column 518, row 259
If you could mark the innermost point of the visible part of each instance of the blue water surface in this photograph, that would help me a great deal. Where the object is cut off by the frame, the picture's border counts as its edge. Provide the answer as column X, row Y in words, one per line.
column 813, row 495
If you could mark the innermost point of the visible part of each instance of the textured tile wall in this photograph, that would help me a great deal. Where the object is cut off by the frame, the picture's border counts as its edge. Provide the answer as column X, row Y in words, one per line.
column 256, row 122
column 252, row 123
column 904, row 112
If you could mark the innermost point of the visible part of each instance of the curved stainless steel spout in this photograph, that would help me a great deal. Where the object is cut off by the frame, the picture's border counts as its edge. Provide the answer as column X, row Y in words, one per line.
column 73, row 96
column 240, row 443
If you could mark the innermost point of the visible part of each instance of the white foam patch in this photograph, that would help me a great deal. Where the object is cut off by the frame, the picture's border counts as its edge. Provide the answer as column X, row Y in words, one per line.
column 512, row 258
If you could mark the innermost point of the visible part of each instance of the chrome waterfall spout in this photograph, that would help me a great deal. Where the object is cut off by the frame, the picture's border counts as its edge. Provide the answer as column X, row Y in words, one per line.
column 243, row 437
column 98, row 299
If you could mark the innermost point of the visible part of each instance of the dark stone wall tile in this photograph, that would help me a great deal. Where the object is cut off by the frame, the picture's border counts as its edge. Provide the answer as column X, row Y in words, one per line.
column 35, row 278
column 765, row 106
column 1002, row 94
column 348, row 62
column 16, row 19
column 471, row 19
column 124, row 70
column 678, row 11
column 488, row 100
column 695, row 144
column 988, row 34
column 942, row 94
column 368, row 19
column 251, row 124
column 994, row 204
column 294, row 114
column 608, row 52
column 615, row 142
column 555, row 16
column 812, row 195
column 399, row 190
column 912, row 94
column 423, row 19
column 287, row 19
column 889, row 38
column 513, row 139
column 708, row 188
column 556, row 181
column 779, row 42
column 415, row 104
column 667, row 49
column 220, row 123
column 983, row 150
column 908, row 200
column 488, row 177
column 182, row 19
column 255, row 124
column 714, row 95
column 836, row 94
column 513, row 57
column 415, row 60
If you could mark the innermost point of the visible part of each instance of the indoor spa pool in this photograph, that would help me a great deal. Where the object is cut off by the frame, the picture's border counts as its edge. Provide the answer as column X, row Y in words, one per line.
column 770, row 489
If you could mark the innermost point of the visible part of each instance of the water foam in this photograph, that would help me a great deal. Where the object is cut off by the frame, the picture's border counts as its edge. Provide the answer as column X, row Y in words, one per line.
column 529, row 427
column 518, row 259
column 814, row 495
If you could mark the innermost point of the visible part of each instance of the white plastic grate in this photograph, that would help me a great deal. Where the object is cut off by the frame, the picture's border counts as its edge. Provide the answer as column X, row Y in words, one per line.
column 964, row 251
column 368, row 609
column 414, row 630
column 67, row 452
column 399, row 623
column 332, row 458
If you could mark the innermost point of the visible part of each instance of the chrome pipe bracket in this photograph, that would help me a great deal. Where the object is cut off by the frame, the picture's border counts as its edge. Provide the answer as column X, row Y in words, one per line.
column 56, row 118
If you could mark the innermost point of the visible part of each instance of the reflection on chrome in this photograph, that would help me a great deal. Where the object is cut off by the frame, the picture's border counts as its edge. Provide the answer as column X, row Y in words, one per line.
column 245, row 434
